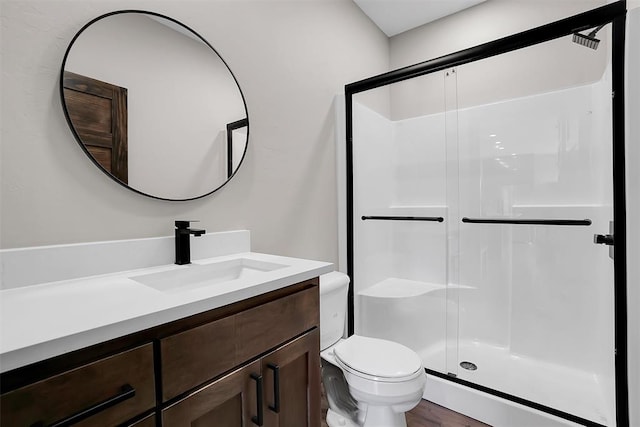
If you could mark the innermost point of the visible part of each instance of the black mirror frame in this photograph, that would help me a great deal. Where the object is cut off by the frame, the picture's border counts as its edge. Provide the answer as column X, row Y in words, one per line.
column 79, row 140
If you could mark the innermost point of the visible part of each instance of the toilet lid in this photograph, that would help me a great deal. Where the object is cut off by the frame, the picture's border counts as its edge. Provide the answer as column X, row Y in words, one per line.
column 376, row 357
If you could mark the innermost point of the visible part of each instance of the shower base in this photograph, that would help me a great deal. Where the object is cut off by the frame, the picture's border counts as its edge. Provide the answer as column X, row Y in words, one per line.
column 560, row 387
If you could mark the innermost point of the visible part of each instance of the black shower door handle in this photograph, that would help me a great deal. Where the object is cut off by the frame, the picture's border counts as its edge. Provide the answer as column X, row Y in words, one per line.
column 603, row 239
column 606, row 239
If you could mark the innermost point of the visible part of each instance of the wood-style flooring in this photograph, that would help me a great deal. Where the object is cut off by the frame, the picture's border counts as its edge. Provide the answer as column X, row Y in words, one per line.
column 426, row 414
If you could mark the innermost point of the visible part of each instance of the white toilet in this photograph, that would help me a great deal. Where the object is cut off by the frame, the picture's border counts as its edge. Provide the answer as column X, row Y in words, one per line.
column 368, row 381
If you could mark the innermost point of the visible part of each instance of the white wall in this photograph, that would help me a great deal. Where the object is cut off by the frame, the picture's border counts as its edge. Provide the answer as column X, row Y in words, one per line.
column 290, row 57
column 543, row 68
column 480, row 24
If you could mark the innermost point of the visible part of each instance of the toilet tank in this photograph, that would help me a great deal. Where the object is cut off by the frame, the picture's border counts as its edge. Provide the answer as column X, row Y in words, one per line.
column 334, row 287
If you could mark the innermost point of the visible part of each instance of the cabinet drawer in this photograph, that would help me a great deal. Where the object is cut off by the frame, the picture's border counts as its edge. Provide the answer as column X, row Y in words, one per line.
column 195, row 356
column 73, row 392
column 269, row 325
column 192, row 357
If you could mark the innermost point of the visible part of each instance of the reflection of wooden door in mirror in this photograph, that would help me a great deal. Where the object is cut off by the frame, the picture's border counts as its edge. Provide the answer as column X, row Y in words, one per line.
column 98, row 113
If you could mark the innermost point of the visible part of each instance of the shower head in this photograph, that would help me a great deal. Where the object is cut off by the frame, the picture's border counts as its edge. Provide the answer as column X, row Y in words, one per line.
column 585, row 40
column 589, row 40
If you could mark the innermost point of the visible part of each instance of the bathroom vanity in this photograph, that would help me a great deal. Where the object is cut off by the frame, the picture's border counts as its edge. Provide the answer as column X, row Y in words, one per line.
column 252, row 358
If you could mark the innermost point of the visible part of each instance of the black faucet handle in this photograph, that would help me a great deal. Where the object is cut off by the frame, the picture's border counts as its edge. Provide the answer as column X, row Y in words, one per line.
column 182, row 224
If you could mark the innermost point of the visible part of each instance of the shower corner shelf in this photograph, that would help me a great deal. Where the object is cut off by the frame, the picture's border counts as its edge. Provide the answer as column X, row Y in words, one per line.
column 393, row 287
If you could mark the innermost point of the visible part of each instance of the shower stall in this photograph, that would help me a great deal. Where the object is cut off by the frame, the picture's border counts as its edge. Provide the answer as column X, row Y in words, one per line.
column 482, row 190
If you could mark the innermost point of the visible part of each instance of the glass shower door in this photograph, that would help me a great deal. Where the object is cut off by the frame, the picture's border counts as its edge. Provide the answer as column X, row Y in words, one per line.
column 519, row 167
column 534, row 149
column 399, row 181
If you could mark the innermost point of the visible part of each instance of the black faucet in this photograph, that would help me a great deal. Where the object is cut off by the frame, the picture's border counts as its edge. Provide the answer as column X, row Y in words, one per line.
column 183, row 248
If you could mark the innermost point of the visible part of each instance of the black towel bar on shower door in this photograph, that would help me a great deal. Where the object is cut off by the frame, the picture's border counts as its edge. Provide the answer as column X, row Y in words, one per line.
column 405, row 218
column 527, row 221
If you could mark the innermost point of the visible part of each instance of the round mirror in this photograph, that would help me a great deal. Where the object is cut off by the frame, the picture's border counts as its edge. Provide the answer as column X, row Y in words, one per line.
column 153, row 105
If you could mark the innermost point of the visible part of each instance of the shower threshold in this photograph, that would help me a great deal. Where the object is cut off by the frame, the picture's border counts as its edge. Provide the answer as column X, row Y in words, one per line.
column 576, row 393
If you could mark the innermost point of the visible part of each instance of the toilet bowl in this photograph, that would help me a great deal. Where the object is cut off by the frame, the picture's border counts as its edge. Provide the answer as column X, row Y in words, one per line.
column 383, row 379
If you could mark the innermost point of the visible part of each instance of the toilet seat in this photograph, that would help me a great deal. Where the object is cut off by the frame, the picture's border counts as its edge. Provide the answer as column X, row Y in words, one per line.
column 377, row 359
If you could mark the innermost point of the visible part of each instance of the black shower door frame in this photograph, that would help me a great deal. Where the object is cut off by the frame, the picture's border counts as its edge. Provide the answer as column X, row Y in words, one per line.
column 614, row 13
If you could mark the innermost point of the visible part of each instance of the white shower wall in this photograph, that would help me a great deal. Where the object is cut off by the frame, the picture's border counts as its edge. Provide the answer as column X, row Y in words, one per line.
column 385, row 177
column 534, row 294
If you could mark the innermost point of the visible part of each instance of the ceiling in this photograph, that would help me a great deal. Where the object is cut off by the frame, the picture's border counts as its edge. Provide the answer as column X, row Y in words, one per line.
column 397, row 16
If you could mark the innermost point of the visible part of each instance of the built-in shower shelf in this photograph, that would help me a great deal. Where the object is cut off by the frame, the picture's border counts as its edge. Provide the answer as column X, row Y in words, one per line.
column 393, row 287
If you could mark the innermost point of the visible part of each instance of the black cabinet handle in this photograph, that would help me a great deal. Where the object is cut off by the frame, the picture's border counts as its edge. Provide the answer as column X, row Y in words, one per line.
column 126, row 392
column 258, row 420
column 276, row 388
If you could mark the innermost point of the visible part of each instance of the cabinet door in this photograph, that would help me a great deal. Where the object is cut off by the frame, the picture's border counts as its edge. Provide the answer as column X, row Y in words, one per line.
column 292, row 383
column 227, row 402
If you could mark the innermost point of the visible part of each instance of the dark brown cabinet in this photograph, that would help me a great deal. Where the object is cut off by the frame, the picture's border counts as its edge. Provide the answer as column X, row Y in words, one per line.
column 254, row 362
column 106, row 392
column 279, row 389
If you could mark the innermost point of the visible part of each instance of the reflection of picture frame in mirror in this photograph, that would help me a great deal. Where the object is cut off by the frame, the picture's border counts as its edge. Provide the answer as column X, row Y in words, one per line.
column 236, row 144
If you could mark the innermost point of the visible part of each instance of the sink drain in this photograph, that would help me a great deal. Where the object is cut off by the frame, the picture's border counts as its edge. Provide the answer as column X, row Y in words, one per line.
column 468, row 366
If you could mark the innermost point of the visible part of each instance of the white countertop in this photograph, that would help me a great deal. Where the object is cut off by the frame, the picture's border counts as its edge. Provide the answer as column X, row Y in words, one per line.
column 45, row 320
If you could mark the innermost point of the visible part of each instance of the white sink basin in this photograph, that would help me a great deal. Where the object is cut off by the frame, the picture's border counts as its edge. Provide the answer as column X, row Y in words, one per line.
column 194, row 276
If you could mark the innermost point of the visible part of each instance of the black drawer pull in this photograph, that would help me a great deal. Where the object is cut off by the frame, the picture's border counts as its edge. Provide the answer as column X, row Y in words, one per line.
column 259, row 419
column 126, row 392
column 276, row 388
